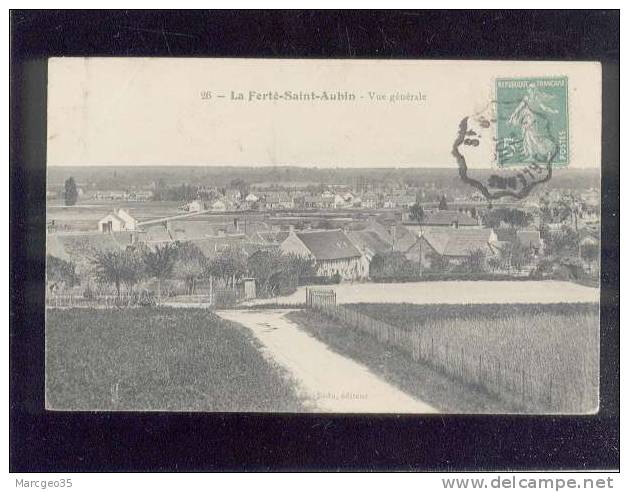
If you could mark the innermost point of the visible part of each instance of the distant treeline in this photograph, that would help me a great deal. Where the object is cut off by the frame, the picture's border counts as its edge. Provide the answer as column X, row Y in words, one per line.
column 442, row 178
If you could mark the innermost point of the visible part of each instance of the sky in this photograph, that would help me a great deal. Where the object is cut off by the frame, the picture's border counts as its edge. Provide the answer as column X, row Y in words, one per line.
column 159, row 111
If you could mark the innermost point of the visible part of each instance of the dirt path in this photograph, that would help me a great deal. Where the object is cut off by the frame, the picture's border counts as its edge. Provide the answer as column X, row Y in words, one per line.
column 329, row 381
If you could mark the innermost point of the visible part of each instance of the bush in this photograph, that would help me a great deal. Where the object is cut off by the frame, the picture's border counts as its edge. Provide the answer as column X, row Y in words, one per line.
column 446, row 276
column 60, row 272
column 225, row 298
column 320, row 280
column 568, row 269
column 283, row 283
column 388, row 265
column 144, row 298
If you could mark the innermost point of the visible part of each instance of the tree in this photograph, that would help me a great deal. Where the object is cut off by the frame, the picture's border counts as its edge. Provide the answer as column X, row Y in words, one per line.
column 546, row 212
column 443, row 204
column 515, row 255
column 60, row 272
column 570, row 207
column 513, row 217
column 299, row 266
column 475, row 261
column 160, row 190
column 70, row 194
column 241, row 185
column 118, row 268
column 229, row 265
column 189, row 265
column 494, row 263
column 518, row 219
column 416, row 213
column 390, row 265
column 159, row 264
column 262, row 265
column 438, row 263
column 493, row 218
column 563, row 243
column 589, row 254
column 275, row 271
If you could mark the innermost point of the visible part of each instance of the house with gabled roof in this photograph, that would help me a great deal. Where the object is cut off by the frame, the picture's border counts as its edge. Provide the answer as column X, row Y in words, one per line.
column 116, row 221
column 530, row 239
column 370, row 200
column 333, row 253
column 220, row 205
column 194, row 206
column 279, row 200
column 453, row 245
column 405, row 200
column 369, row 243
column 442, row 219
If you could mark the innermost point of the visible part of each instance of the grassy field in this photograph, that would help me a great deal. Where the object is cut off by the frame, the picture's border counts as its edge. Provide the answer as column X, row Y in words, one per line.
column 543, row 356
column 415, row 378
column 158, row 359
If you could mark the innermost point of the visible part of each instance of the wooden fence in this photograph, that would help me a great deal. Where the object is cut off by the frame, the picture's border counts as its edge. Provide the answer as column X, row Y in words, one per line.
column 101, row 301
column 510, row 381
column 320, row 298
column 220, row 297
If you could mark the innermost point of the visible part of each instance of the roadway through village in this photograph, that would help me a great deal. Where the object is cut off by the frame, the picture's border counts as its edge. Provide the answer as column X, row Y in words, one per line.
column 328, row 381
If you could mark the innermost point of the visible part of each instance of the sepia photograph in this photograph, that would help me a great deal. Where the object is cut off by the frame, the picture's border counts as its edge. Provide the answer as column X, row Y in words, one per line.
column 323, row 236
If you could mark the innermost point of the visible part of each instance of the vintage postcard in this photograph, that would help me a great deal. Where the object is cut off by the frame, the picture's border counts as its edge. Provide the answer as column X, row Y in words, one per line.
column 251, row 235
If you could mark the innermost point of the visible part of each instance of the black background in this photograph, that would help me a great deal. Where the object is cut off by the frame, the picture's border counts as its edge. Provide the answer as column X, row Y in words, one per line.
column 99, row 441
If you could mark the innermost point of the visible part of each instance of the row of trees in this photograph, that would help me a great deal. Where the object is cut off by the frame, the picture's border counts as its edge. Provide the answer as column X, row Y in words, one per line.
column 188, row 192
column 395, row 266
column 513, row 217
column 70, row 192
column 274, row 271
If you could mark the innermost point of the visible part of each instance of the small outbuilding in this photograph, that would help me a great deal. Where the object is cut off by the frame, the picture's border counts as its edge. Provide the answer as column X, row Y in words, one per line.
column 116, row 221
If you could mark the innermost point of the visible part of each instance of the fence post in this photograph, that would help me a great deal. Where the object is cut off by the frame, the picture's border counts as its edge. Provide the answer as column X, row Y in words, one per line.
column 462, row 360
column 480, row 368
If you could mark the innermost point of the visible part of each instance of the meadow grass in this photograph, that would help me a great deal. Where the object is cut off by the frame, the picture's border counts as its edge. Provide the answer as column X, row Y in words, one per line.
column 158, row 359
column 546, row 355
column 414, row 377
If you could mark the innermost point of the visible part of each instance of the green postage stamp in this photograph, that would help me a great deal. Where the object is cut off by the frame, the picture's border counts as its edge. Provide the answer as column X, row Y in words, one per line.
column 532, row 121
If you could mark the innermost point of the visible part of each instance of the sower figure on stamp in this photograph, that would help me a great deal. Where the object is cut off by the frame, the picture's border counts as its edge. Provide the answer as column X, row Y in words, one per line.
column 537, row 142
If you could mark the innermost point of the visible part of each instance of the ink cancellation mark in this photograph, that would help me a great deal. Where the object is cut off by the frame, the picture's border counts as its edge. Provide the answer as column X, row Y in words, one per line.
column 521, row 135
